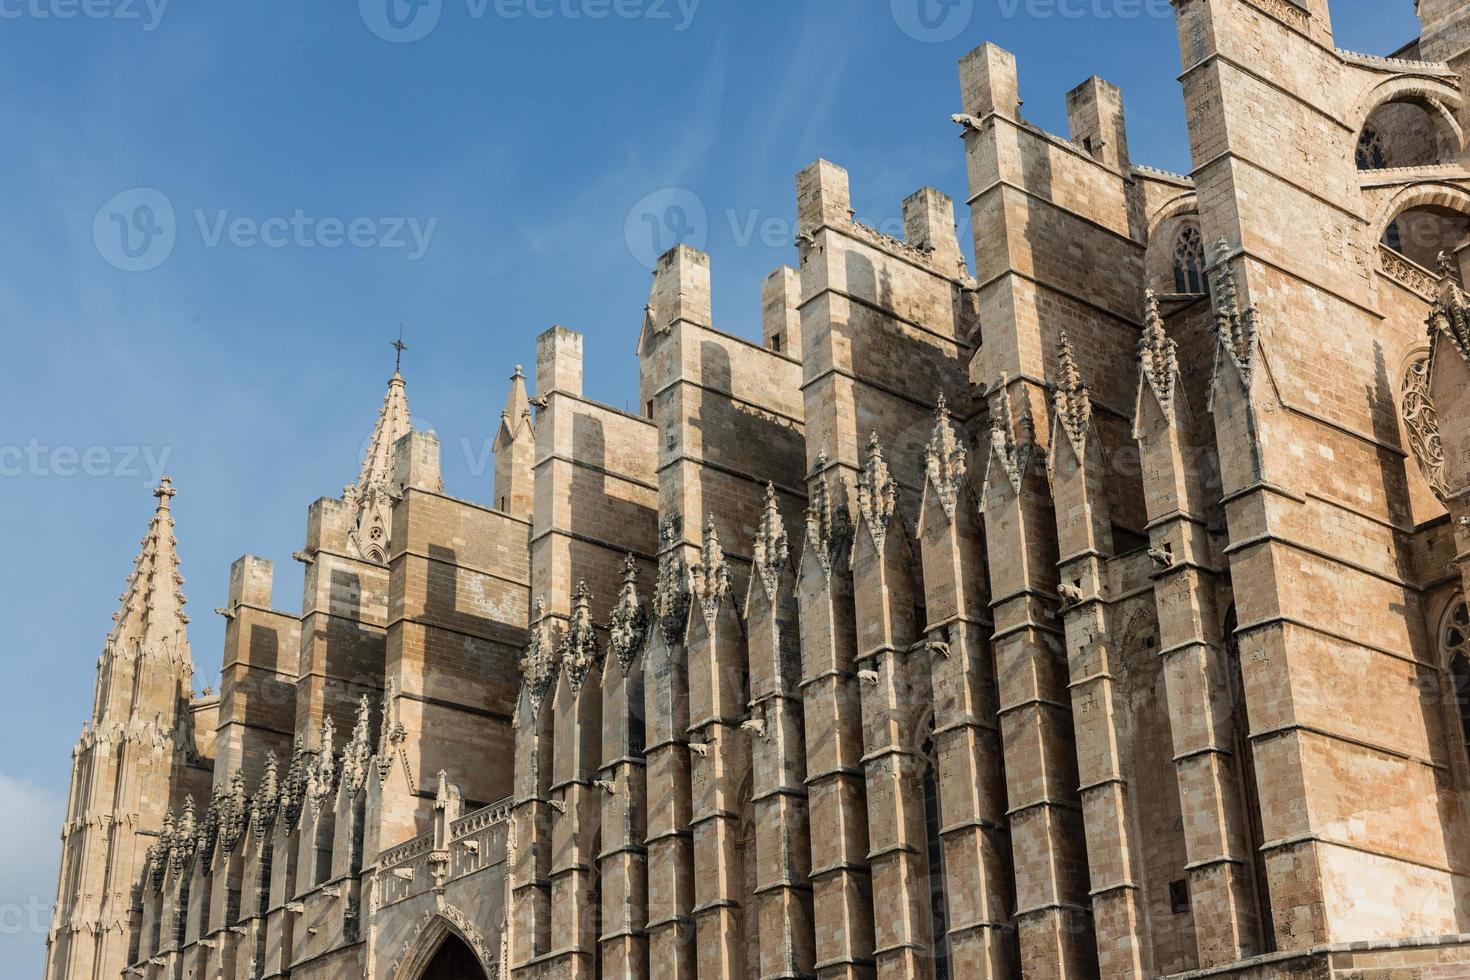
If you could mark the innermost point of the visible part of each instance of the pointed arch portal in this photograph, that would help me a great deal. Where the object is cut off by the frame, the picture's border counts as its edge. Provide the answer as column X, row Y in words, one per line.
column 446, row 947
column 453, row 961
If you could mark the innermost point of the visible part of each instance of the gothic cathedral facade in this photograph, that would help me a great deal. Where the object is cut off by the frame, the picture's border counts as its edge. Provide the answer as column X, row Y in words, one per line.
column 1099, row 611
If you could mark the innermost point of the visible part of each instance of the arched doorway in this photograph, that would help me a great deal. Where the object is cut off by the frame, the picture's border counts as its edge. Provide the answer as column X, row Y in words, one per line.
column 453, row 960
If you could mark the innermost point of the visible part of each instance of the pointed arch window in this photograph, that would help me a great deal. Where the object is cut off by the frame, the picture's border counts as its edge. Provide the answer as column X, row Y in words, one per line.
column 1189, row 261
column 1370, row 150
column 938, row 887
column 1454, row 640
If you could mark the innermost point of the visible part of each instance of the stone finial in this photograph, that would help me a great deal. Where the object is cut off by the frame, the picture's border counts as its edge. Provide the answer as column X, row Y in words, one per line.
column 321, row 775
column 1235, row 329
column 539, row 664
column 579, row 652
column 234, row 811
column 293, row 786
column 772, row 552
column 827, row 527
column 671, row 596
column 1157, row 352
column 877, row 493
column 629, row 627
column 358, row 753
column 1071, row 401
column 267, row 796
column 709, row 577
column 944, row 460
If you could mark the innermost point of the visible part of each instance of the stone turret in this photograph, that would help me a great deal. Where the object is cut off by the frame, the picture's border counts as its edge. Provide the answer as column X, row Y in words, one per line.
column 128, row 762
column 369, row 497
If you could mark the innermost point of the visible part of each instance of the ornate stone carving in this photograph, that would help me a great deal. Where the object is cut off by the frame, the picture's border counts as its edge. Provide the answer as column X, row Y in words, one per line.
column 1450, row 314
column 1421, row 421
column 1006, row 451
column 579, row 652
column 877, row 494
column 671, row 597
column 267, row 796
column 709, row 577
column 358, row 753
column 771, row 552
column 1158, row 353
column 827, row 527
column 1235, row 329
column 293, row 786
column 1407, row 273
column 944, row 460
column 1071, row 402
column 234, row 812
column 321, row 777
column 629, row 627
column 539, row 665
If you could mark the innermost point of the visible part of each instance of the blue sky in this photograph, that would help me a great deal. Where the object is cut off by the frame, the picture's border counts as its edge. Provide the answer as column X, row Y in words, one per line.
column 330, row 177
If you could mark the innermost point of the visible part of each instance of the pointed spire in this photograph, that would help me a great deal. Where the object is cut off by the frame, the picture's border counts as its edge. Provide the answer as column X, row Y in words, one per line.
column 151, row 622
column 1071, row 402
column 629, row 627
column 293, row 786
column 944, row 460
column 579, row 653
column 370, row 495
column 1157, row 352
column 671, row 595
column 877, row 493
column 393, row 424
column 772, row 552
column 827, row 527
column 710, row 576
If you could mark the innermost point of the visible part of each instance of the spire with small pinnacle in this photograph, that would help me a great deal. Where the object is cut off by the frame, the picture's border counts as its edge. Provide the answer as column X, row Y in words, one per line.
column 1157, row 352
column 1235, row 329
column 826, row 525
column 629, row 627
column 772, row 551
column 369, row 496
column 515, row 451
column 944, row 459
column 151, row 622
column 579, row 653
column 877, row 493
column 1071, row 402
column 709, row 577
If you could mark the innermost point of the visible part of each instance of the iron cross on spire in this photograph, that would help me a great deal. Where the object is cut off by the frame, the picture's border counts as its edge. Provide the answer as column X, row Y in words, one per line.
column 400, row 347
